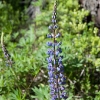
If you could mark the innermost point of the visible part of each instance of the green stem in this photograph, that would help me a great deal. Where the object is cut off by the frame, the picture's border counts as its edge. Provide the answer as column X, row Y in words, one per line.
column 2, row 35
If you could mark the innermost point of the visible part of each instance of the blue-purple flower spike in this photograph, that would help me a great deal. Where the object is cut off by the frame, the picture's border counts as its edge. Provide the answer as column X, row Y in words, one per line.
column 57, row 79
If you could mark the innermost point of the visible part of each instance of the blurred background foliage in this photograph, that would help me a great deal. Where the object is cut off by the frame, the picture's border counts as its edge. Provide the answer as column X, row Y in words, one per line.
column 26, row 40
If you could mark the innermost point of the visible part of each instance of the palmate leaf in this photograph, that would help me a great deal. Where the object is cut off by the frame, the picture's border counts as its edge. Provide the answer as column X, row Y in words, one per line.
column 41, row 93
column 17, row 95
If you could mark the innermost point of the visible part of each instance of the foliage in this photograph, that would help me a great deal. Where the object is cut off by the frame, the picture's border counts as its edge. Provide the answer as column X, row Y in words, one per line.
column 27, row 47
column 41, row 92
column 11, row 16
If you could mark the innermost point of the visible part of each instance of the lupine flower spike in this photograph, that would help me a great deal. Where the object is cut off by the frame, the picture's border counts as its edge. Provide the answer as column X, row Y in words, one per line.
column 57, row 79
column 9, row 61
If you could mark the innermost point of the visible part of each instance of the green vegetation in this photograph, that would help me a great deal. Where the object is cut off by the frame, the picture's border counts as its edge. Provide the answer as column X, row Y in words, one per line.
column 27, row 78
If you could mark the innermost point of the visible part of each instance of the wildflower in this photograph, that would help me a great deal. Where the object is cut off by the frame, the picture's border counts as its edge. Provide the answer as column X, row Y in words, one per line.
column 6, row 53
column 57, row 79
